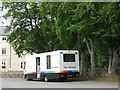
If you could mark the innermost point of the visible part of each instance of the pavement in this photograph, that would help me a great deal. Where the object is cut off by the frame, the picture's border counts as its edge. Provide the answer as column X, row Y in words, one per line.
column 21, row 83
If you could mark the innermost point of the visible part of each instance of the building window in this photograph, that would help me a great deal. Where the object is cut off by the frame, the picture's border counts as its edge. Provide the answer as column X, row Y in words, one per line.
column 48, row 62
column 3, row 38
column 3, row 51
column 3, row 64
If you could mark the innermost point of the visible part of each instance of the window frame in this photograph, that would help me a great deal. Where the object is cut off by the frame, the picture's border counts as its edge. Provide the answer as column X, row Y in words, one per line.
column 3, row 64
column 4, row 51
column 48, row 59
column 4, row 38
column 74, row 56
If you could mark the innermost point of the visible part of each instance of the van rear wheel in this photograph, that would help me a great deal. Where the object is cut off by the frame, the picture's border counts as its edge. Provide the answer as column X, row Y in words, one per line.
column 62, row 79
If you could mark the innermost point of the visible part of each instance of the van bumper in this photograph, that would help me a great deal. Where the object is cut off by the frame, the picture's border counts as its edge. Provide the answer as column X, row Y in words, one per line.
column 69, row 75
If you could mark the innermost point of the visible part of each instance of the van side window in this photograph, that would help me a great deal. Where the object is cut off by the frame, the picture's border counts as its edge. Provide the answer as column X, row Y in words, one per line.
column 48, row 62
column 69, row 57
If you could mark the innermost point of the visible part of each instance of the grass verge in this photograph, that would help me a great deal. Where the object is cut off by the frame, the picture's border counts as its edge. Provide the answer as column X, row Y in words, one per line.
column 114, row 78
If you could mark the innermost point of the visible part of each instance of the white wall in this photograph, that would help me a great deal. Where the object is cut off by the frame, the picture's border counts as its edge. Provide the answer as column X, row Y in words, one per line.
column 10, row 55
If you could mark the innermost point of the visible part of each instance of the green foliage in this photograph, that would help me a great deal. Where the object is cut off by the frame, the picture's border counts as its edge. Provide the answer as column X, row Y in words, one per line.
column 40, row 27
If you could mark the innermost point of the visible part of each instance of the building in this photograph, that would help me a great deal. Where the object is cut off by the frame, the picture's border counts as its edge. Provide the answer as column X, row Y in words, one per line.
column 8, row 59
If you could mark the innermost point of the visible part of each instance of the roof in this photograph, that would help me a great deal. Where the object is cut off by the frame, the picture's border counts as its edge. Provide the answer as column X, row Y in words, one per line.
column 2, row 31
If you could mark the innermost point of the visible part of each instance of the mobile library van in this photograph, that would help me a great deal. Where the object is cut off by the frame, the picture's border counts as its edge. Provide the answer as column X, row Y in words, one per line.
column 60, row 65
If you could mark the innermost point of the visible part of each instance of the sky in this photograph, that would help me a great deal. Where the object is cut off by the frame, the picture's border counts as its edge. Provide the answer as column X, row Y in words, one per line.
column 3, row 22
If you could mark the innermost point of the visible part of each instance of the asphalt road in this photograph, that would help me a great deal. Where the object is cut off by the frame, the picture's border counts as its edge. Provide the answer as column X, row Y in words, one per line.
column 21, row 83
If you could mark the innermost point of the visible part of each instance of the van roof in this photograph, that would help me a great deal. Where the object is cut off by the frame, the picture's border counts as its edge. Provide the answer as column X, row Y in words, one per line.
column 58, row 51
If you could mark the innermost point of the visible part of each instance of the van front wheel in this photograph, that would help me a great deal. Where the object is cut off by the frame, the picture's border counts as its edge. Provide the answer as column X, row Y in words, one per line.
column 27, row 78
column 46, row 79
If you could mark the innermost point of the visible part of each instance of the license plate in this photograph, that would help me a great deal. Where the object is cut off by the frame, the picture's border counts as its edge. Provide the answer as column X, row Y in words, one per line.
column 69, row 75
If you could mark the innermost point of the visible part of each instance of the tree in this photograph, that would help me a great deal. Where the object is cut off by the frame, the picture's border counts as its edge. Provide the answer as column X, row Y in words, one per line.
column 86, row 26
column 110, row 32
column 86, row 17
column 32, row 30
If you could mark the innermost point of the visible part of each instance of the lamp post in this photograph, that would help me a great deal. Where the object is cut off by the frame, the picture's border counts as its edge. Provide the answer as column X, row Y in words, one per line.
column 10, row 57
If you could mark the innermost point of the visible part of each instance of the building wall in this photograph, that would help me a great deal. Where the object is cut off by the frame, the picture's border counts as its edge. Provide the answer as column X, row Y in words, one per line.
column 12, row 62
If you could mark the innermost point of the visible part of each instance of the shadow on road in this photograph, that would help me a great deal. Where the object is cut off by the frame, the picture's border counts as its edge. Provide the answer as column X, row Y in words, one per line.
column 57, row 81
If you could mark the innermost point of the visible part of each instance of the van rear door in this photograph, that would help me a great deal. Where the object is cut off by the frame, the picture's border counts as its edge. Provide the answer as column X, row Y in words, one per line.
column 70, row 62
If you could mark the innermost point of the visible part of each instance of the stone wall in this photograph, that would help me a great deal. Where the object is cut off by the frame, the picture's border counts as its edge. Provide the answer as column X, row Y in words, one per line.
column 86, row 72
column 98, row 72
column 12, row 74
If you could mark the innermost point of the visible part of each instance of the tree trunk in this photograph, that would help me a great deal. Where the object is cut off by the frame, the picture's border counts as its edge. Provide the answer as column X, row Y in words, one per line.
column 82, row 63
column 92, row 57
column 112, row 62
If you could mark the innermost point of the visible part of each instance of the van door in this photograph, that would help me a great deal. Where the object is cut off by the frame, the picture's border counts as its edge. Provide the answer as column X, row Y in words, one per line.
column 70, row 62
column 38, row 67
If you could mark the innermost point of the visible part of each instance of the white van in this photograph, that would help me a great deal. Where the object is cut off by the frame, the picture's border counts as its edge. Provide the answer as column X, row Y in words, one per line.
column 60, row 65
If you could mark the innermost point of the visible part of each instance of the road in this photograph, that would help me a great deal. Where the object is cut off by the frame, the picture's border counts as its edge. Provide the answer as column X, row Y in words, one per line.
column 21, row 83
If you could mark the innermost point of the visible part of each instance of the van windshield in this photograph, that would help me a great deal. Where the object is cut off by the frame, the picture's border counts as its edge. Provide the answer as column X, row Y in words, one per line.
column 69, row 57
